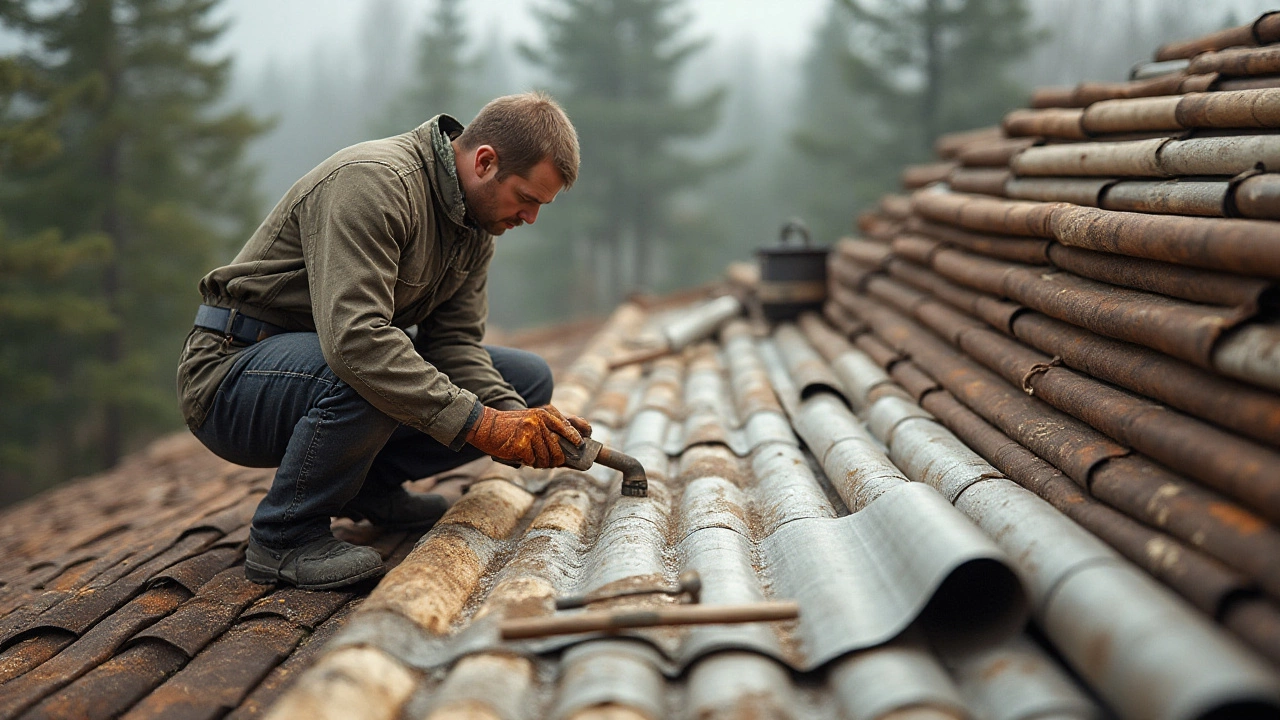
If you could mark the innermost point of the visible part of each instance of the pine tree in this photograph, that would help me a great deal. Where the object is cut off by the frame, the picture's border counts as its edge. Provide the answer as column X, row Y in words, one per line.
column 443, row 75
column 42, row 304
column 151, row 168
column 614, row 65
column 886, row 79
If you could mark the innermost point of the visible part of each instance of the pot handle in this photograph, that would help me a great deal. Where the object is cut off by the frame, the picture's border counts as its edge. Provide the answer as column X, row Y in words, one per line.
column 794, row 226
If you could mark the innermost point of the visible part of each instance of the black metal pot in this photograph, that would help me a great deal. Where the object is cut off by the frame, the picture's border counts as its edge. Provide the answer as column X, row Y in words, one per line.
column 793, row 276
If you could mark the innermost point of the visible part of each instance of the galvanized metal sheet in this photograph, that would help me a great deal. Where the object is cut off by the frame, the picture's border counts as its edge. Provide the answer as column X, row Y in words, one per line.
column 1019, row 681
column 748, row 378
column 729, row 684
column 878, row 567
column 807, row 369
column 887, row 413
column 498, row 685
column 649, row 427
column 930, row 454
column 1047, row 545
column 699, row 322
column 897, row 677
column 723, row 559
column 853, row 460
column 1154, row 657
column 610, row 672
column 859, row 374
column 786, row 490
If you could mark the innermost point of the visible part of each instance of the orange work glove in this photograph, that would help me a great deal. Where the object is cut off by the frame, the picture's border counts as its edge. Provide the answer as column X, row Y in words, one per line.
column 529, row 436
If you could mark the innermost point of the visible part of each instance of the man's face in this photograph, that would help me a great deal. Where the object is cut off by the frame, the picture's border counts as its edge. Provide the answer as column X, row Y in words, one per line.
column 499, row 205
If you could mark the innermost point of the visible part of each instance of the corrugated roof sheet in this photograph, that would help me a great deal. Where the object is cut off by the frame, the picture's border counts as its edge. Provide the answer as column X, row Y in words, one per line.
column 1044, row 388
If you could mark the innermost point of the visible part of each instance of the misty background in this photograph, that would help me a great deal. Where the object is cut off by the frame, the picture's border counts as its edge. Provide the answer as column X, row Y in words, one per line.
column 141, row 141
column 329, row 74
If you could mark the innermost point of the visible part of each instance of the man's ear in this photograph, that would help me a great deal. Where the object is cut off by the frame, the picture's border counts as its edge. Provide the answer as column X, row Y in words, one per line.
column 486, row 162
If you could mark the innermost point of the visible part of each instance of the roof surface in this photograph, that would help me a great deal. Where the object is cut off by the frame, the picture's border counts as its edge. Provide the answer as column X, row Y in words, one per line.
column 125, row 592
column 1024, row 465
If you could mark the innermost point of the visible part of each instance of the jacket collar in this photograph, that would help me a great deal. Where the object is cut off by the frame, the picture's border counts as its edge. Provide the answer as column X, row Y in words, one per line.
column 442, row 168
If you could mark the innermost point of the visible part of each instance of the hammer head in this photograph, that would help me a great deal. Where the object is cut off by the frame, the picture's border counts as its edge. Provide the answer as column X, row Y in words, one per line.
column 691, row 585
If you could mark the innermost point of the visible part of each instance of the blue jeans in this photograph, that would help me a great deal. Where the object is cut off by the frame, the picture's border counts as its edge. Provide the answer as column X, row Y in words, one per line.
column 281, row 406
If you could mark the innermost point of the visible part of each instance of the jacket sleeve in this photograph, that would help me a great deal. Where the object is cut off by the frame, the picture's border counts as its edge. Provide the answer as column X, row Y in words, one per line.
column 354, row 224
column 450, row 338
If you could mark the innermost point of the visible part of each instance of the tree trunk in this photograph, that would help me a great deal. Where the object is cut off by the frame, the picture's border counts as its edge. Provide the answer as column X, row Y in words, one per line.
column 113, row 347
column 932, row 71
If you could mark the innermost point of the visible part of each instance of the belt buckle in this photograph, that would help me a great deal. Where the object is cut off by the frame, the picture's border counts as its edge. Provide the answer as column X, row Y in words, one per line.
column 227, row 337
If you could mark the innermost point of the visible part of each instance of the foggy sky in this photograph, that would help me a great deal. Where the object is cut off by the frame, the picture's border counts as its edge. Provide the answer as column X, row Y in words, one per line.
column 285, row 31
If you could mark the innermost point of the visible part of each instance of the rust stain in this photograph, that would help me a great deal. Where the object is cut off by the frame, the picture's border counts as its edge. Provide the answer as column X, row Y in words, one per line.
column 609, row 711
column 993, row 670
column 494, row 507
column 1097, row 656
column 1244, row 522
column 432, row 584
column 522, row 596
column 469, row 709
column 567, row 509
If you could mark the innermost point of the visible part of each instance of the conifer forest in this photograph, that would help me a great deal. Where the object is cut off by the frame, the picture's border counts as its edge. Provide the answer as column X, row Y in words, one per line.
column 142, row 141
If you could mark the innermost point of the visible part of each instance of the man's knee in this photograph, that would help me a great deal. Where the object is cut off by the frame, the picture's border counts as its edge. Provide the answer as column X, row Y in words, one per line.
column 527, row 372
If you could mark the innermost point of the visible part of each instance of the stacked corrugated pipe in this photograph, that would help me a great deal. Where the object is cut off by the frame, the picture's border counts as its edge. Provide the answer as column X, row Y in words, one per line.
column 1086, row 296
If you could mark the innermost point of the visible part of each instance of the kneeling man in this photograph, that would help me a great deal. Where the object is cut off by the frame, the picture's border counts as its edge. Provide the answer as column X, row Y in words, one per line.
column 343, row 343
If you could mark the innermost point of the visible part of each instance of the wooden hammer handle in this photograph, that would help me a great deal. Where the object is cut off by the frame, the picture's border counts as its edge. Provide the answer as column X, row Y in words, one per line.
column 569, row 623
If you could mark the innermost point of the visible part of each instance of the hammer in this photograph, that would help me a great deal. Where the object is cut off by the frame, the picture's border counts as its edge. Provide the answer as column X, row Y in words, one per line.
column 689, row 583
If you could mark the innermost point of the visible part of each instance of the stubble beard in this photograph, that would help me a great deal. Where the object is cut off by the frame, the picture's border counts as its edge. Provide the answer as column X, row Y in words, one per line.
column 482, row 204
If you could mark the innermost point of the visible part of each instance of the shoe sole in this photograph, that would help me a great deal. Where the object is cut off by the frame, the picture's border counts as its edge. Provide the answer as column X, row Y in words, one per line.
column 262, row 575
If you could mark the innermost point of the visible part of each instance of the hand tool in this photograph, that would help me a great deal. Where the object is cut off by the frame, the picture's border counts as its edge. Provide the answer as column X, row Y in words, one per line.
column 689, row 583
column 635, row 483
column 580, row 457
column 591, row 621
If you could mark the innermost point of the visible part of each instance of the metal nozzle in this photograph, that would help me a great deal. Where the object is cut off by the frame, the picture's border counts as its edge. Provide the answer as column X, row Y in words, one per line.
column 634, row 481
column 580, row 457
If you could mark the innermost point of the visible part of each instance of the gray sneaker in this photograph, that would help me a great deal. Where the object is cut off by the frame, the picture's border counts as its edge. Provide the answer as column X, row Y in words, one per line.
column 318, row 565
column 401, row 511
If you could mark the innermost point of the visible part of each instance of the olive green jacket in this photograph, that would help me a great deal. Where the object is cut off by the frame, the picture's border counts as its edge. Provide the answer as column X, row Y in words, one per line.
column 371, row 242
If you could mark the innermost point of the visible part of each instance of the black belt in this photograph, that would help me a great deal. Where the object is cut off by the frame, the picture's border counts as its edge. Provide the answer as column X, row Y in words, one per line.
column 234, row 325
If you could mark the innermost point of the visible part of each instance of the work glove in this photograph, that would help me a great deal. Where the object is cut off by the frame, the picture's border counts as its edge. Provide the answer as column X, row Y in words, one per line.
column 529, row 436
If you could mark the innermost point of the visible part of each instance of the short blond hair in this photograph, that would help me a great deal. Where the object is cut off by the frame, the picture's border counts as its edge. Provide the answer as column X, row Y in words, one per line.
column 523, row 130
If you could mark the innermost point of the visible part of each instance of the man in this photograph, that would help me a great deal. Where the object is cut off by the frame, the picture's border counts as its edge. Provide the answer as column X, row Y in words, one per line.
column 342, row 344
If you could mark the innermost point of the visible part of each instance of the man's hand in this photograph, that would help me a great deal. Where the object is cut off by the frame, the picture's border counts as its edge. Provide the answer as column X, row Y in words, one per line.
column 529, row 436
